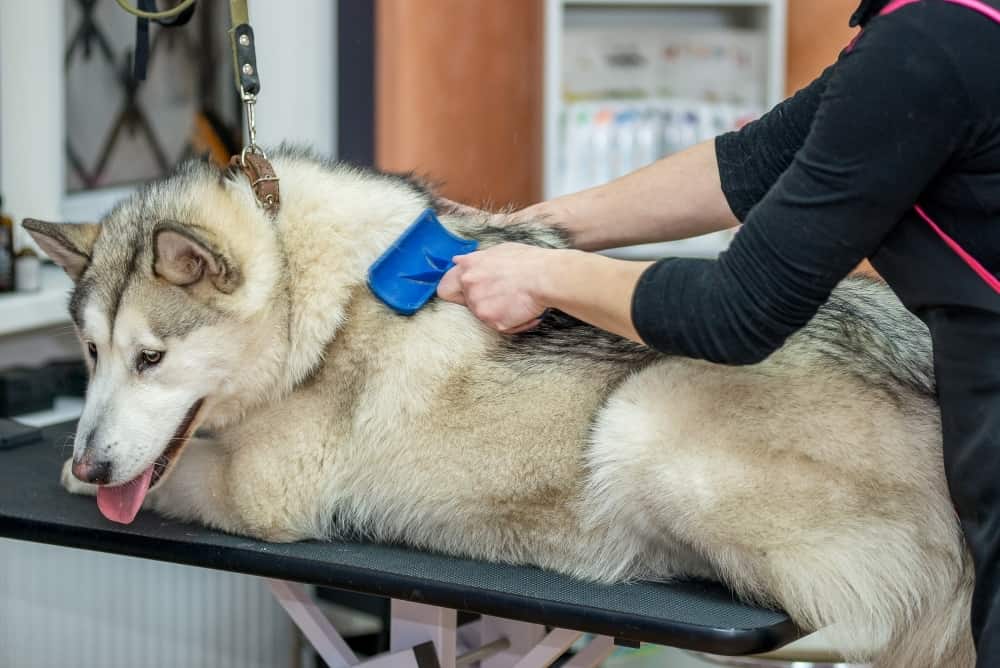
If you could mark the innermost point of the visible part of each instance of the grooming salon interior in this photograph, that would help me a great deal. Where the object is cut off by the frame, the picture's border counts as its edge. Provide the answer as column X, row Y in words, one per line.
column 491, row 104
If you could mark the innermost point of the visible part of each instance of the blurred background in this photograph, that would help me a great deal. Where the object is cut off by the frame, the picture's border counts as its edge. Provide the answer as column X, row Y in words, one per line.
column 499, row 102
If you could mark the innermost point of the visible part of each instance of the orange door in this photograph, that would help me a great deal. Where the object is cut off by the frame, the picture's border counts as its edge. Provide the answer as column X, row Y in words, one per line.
column 459, row 96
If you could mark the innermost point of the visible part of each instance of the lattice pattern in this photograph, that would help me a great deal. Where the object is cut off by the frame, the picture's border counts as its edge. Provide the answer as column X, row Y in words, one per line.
column 121, row 131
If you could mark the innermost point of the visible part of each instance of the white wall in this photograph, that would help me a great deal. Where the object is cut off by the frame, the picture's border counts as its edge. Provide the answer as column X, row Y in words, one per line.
column 31, row 108
column 296, row 57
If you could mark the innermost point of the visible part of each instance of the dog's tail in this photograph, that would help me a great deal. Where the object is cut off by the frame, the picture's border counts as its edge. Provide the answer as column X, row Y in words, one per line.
column 893, row 605
column 941, row 635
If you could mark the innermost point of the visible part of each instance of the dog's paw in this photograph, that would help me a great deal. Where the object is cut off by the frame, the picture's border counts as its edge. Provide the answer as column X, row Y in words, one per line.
column 72, row 484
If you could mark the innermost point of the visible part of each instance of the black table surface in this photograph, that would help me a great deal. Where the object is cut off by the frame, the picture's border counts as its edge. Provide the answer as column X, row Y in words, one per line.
column 694, row 615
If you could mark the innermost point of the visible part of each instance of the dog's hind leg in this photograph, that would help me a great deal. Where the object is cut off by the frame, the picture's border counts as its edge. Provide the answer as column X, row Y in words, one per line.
column 814, row 494
column 941, row 631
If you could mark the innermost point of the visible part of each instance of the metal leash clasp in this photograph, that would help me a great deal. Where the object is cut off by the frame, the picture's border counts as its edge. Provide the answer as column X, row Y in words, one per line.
column 249, row 106
column 252, row 161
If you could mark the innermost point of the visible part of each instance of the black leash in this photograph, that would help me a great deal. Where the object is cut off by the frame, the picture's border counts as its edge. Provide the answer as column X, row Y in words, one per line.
column 140, row 58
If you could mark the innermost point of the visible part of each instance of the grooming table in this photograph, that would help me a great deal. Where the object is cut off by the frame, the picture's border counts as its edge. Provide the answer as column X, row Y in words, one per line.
column 529, row 616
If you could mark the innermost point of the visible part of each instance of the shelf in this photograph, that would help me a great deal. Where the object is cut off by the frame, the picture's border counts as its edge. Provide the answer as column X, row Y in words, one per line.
column 766, row 18
column 21, row 312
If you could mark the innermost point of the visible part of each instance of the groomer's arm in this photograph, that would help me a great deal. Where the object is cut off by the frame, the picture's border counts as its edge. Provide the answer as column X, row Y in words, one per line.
column 674, row 198
column 507, row 286
column 877, row 140
column 681, row 196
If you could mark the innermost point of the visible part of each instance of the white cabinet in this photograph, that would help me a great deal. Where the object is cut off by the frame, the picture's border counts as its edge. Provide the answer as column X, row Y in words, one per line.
column 627, row 82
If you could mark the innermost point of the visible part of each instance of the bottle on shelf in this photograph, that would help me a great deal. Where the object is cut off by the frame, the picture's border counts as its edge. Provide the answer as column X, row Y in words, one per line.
column 6, row 251
column 27, row 271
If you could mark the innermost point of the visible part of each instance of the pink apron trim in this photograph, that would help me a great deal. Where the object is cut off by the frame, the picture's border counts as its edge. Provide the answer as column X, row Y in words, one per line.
column 896, row 4
column 993, row 15
column 974, row 5
column 982, row 271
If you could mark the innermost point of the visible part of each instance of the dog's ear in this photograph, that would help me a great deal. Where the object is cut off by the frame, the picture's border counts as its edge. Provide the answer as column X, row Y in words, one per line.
column 68, row 244
column 184, row 257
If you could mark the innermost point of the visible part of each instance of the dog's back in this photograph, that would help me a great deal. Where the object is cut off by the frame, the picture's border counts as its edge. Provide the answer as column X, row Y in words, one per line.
column 811, row 481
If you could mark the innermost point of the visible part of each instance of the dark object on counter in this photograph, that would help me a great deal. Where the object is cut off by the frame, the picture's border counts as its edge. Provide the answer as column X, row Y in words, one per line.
column 6, row 251
column 24, row 390
column 67, row 377
column 29, row 389
column 14, row 434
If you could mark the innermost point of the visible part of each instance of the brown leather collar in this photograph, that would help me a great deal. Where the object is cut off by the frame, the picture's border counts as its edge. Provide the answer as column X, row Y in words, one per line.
column 263, row 180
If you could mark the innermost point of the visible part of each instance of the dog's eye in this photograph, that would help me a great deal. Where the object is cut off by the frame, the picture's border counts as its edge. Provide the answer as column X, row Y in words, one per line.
column 92, row 350
column 148, row 358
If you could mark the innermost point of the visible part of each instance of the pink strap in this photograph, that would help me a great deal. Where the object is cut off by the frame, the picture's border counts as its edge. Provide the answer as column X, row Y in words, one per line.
column 974, row 5
column 981, row 271
column 896, row 4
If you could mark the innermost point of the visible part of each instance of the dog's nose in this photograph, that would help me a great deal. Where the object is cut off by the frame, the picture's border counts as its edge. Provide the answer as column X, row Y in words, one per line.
column 88, row 470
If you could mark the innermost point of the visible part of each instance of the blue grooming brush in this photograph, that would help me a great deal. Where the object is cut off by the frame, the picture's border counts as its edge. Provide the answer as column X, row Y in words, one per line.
column 407, row 275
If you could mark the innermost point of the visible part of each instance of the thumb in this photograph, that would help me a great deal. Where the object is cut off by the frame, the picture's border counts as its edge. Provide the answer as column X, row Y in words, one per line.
column 450, row 287
column 531, row 324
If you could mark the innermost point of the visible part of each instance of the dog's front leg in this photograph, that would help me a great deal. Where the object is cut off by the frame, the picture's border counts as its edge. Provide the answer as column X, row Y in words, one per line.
column 197, row 489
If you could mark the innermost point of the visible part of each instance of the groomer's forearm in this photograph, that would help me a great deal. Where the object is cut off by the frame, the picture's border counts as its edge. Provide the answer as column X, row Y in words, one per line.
column 674, row 198
column 593, row 288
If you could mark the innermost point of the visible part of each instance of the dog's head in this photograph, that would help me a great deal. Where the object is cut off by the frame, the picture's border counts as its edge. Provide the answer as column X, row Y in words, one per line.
column 174, row 306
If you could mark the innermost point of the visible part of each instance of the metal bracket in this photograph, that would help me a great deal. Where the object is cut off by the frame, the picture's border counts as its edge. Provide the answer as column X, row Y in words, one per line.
column 427, row 636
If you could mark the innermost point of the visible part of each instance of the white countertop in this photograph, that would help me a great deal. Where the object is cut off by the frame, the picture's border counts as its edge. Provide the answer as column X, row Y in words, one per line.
column 23, row 311
column 63, row 409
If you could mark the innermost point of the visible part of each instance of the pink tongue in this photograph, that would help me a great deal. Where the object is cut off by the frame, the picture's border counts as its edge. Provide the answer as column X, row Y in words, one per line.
column 121, row 503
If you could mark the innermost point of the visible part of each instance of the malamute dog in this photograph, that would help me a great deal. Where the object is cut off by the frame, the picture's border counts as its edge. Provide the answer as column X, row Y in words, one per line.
column 812, row 481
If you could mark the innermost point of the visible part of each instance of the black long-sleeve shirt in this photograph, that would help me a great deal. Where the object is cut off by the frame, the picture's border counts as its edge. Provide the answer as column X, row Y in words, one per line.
column 911, row 113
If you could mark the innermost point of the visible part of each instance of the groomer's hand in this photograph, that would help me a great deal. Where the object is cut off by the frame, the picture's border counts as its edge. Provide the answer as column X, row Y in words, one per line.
column 502, row 285
column 509, row 287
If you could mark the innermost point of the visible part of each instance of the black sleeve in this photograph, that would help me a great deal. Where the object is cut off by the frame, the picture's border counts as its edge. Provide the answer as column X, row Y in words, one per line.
column 892, row 114
column 752, row 158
